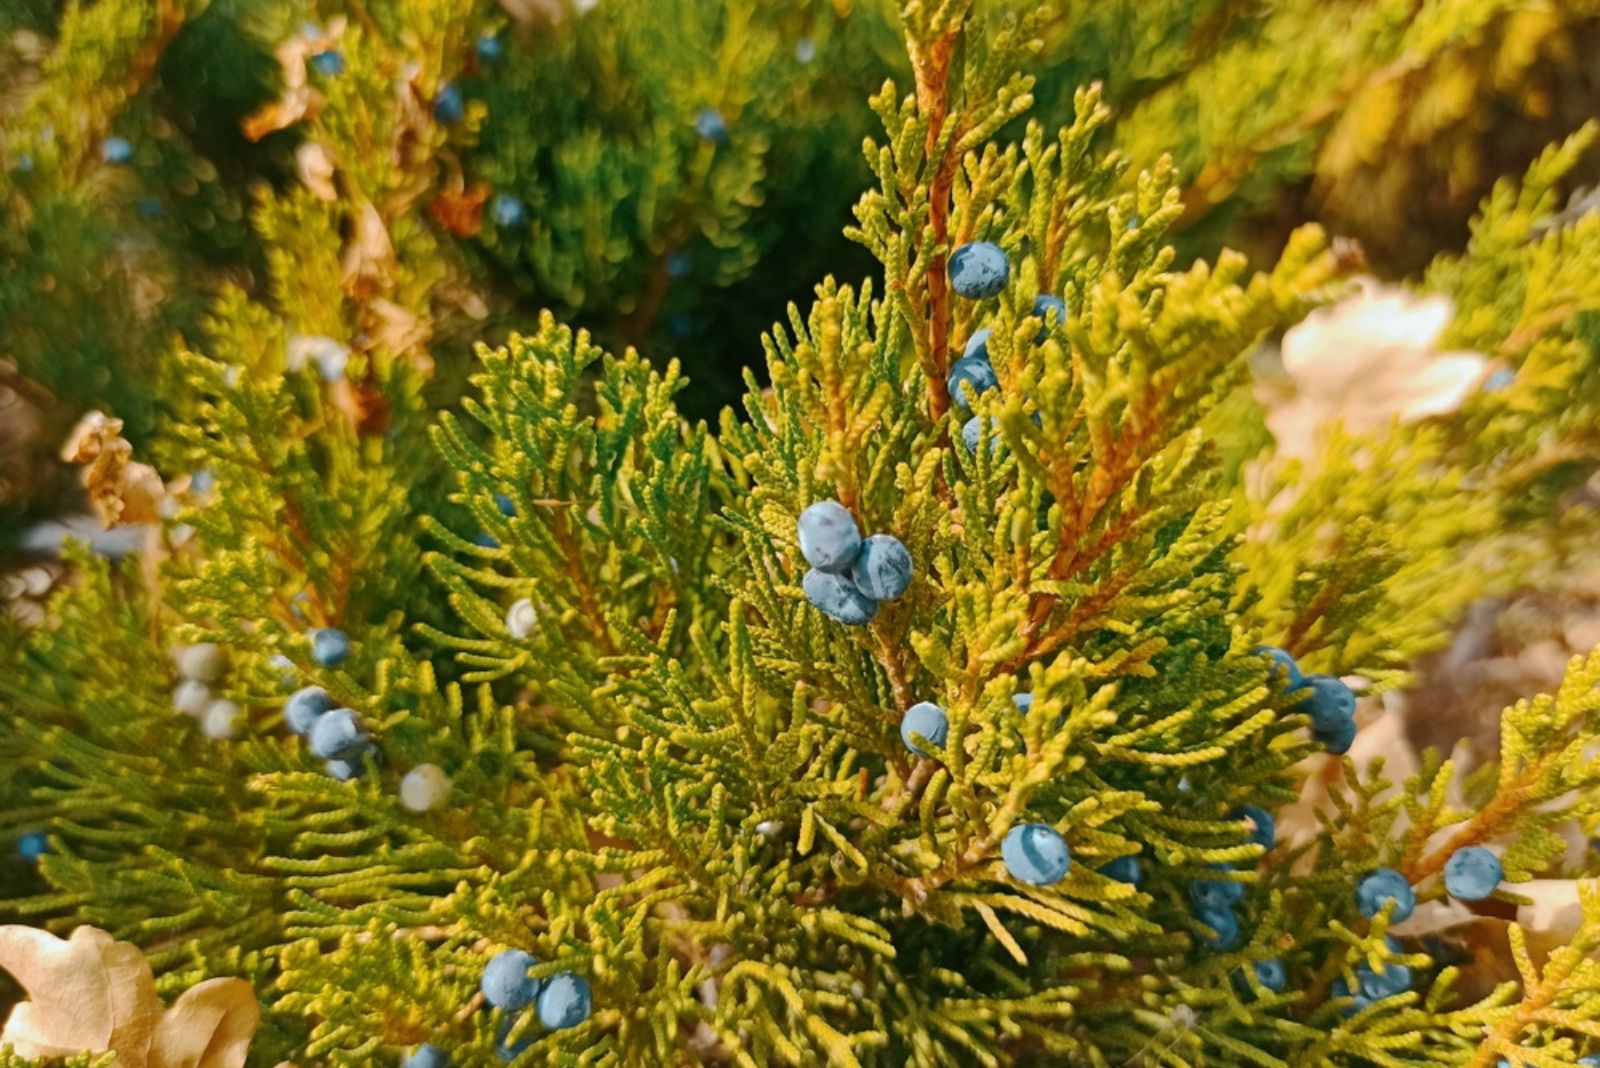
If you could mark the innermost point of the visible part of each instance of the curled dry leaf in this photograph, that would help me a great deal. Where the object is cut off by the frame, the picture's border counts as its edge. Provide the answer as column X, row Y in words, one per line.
column 1364, row 362
column 120, row 489
column 368, row 257
column 91, row 993
column 298, row 99
column 314, row 164
column 399, row 331
column 460, row 210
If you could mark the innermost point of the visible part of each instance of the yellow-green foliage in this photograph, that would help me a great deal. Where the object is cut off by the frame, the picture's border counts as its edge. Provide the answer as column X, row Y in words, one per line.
column 686, row 783
column 1381, row 104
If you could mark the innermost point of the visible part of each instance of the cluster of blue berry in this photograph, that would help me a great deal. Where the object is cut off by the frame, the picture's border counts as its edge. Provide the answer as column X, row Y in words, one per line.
column 849, row 574
column 979, row 271
column 335, row 734
column 449, row 106
column 1327, row 700
column 1212, row 900
column 508, row 211
column 1033, row 853
column 561, row 1001
column 1471, row 874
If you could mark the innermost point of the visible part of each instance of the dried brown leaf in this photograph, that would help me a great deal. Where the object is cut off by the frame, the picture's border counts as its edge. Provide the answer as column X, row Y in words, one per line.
column 368, row 257
column 91, row 993
column 120, row 489
column 314, row 164
column 209, row 1026
column 460, row 210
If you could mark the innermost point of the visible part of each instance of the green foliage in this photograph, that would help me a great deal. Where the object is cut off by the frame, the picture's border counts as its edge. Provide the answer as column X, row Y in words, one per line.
column 687, row 784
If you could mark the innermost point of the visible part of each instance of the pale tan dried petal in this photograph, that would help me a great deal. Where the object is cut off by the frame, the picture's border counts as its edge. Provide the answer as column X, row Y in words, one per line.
column 141, row 495
column 91, row 993
column 1442, row 385
column 88, row 992
column 209, row 1026
column 314, row 163
column 1366, row 362
column 1555, row 912
column 368, row 257
column 400, row 332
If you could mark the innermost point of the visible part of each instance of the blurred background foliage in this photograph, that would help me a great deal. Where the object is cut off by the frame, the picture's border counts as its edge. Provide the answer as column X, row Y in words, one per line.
column 686, row 167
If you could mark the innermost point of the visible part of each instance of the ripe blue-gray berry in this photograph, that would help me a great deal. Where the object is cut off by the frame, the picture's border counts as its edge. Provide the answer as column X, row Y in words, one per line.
column 345, row 770
column 116, row 150
column 1053, row 310
column 1263, row 829
column 337, row 735
column 711, row 126
column 1270, row 974
column 805, row 50
column 508, row 212
column 329, row 354
column 1215, row 895
column 448, row 104
column 506, row 983
column 1224, row 925
column 300, row 712
column 1330, row 704
column 829, row 537
column 1035, row 853
column 33, row 845
column 1380, row 888
column 977, row 347
column 329, row 646
column 1341, row 989
column 970, row 378
column 1123, row 870
column 1338, row 740
column 510, row 1052
column 927, row 719
column 1023, row 701
column 426, row 1055
column 564, row 1001
column 836, row 597
column 491, row 49
column 882, row 569
column 972, row 433
column 1497, row 381
column 1471, row 874
column 1283, row 668
column 979, row 270
column 1394, row 979
column 1591, row 1061
column 329, row 64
